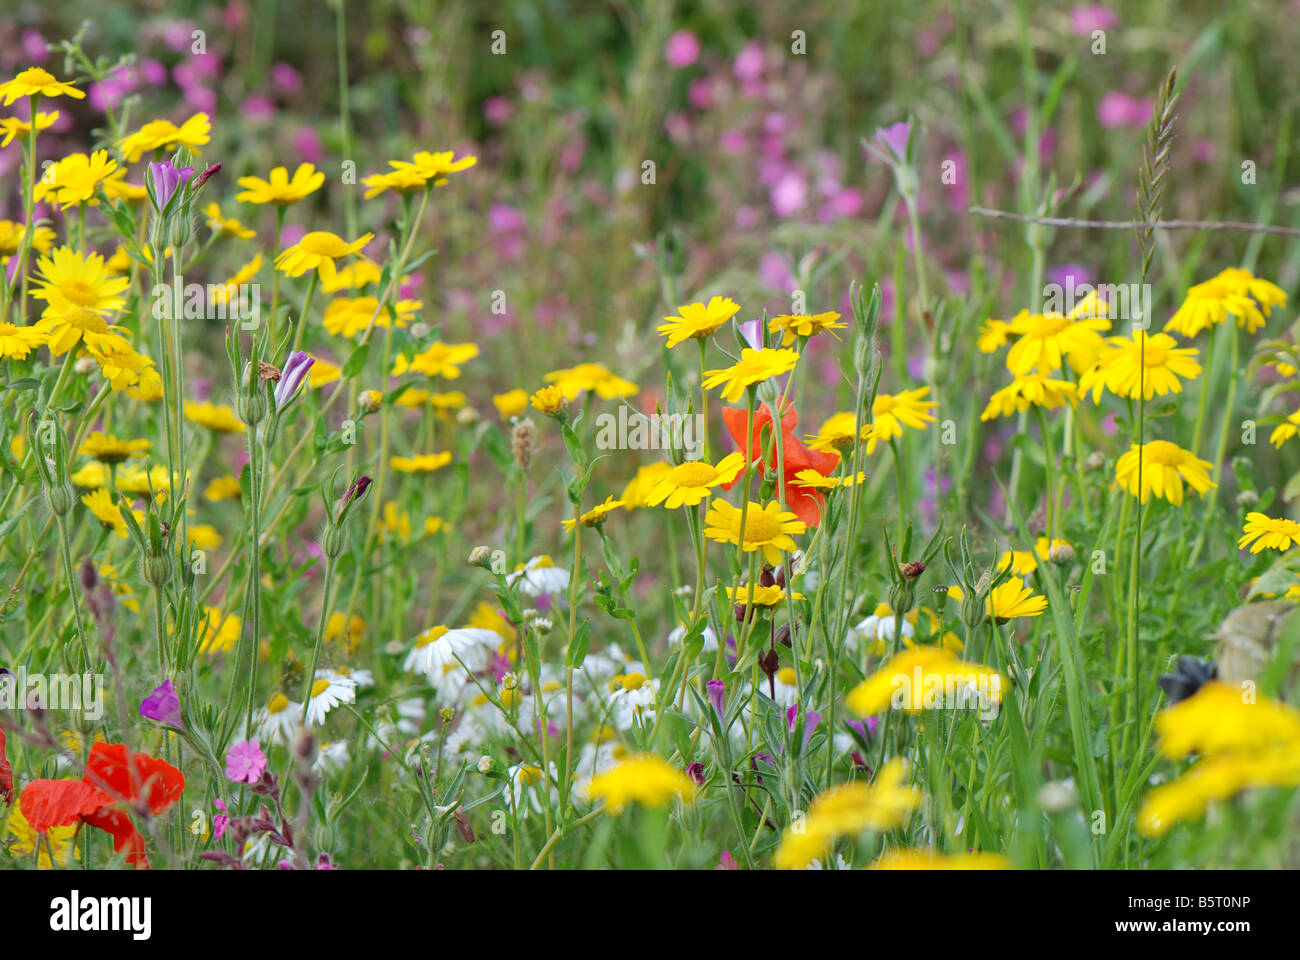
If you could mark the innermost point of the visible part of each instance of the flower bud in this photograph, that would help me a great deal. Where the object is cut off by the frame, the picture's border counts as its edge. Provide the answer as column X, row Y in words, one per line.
column 371, row 401
column 60, row 498
column 1247, row 499
column 1061, row 554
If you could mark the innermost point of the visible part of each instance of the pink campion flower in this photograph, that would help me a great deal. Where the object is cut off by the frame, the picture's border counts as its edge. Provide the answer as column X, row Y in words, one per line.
column 790, row 194
column 164, row 706
column 34, row 47
column 956, row 194
column 234, row 15
column 773, row 272
column 178, row 35
column 696, row 772
column 747, row 218
column 748, row 65
column 727, row 862
column 285, row 79
column 732, row 141
column 220, row 821
column 153, row 73
column 1086, row 18
column 1118, row 109
column 700, row 93
column 1203, row 151
column 257, row 108
column 503, row 218
column 682, row 49
column 245, row 762
column 200, row 99
column 307, row 144
column 496, row 111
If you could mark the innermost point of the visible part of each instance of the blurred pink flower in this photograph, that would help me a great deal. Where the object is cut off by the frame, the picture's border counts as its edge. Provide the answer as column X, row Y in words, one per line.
column 496, row 110
column 843, row 204
column 1118, row 109
column 178, row 35
column 34, row 47
column 257, row 107
column 790, row 194
column 956, row 194
column 700, row 93
column 200, row 98
column 503, row 218
column 747, row 218
column 245, row 762
column 732, row 141
column 291, row 234
column 153, row 73
column 307, row 143
column 1086, row 18
column 285, row 79
column 682, row 49
column 773, row 272
column 748, row 65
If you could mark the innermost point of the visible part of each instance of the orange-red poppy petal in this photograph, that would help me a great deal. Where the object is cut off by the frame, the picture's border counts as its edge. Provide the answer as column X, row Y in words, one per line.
column 157, row 781
column 59, row 803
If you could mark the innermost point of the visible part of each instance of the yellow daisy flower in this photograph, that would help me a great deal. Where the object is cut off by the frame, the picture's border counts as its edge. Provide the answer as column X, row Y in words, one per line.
column 11, row 239
column 227, row 225
column 643, row 779
column 796, row 325
column 423, row 463
column 223, row 488
column 1031, row 389
column 157, row 134
column 1046, row 340
column 70, row 280
column 597, row 515
column 767, row 528
column 754, row 367
column 18, row 342
column 14, row 126
column 689, row 483
column 591, row 377
column 1143, row 366
column 511, row 403
column 35, row 81
column 280, row 188
column 218, row 418
column 107, row 448
column 317, row 251
column 438, row 360
column 698, row 320
column 1165, row 466
column 72, row 181
column 892, row 412
column 1268, row 533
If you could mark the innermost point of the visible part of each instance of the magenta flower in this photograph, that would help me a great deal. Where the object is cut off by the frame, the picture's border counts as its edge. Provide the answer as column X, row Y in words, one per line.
column 727, row 862
column 717, row 690
column 220, row 821
column 163, row 705
column 1086, row 18
column 894, row 138
column 245, row 762
column 682, row 49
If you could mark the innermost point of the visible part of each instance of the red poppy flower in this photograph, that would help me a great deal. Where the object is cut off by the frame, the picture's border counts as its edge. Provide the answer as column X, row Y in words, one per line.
column 130, row 778
column 59, row 803
column 6, row 774
column 806, row 503
column 113, row 778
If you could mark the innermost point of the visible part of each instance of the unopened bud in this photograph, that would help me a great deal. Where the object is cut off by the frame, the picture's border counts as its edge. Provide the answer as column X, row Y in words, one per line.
column 371, row 401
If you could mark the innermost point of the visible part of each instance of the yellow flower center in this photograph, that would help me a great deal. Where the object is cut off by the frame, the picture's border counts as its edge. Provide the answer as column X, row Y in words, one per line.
column 319, row 687
column 760, row 526
column 693, row 473
column 80, row 293
column 530, row 775
column 786, row 675
column 633, row 681
column 429, row 636
column 277, row 704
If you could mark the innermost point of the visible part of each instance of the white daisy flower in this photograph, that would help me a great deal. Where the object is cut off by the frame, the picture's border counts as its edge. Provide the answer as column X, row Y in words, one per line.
column 326, row 694
column 362, row 678
column 632, row 699
column 540, row 575
column 437, row 649
column 710, row 638
column 332, row 758
column 877, row 630
column 527, row 782
column 278, row 721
